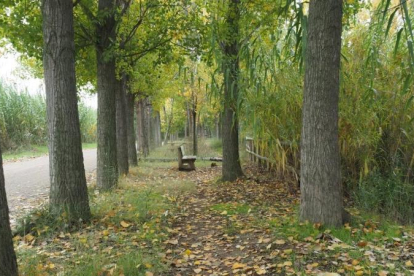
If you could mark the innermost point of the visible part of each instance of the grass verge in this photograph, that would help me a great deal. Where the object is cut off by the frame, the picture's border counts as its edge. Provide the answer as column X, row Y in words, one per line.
column 124, row 237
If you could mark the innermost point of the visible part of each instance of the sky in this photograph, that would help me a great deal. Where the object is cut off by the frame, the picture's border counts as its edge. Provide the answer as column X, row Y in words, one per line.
column 14, row 74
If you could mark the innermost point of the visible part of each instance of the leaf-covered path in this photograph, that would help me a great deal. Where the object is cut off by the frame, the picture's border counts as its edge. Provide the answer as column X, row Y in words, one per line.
column 221, row 227
column 250, row 227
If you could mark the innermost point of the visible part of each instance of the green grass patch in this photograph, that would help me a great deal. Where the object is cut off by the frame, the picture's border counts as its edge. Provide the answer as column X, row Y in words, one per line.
column 362, row 228
column 124, row 237
column 232, row 208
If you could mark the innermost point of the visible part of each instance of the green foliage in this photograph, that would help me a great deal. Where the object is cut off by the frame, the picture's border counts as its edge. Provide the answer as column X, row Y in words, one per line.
column 376, row 97
column 23, row 120
column 88, row 121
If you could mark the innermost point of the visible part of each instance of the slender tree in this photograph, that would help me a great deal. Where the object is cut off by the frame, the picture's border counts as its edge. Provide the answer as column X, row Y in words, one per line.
column 107, row 167
column 132, row 149
column 231, row 70
column 68, row 191
column 8, row 263
column 121, row 126
column 321, row 192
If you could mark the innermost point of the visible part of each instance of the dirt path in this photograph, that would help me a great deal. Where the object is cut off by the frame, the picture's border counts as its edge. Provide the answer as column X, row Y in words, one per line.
column 27, row 182
column 218, row 231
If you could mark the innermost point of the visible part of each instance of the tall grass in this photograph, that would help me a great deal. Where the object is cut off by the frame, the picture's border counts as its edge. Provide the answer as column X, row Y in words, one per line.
column 376, row 131
column 23, row 120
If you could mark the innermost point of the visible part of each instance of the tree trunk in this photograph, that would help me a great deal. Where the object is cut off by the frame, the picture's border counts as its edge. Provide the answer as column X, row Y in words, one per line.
column 132, row 150
column 147, row 127
column 194, row 128
column 151, row 127
column 231, row 169
column 321, row 191
column 8, row 263
column 139, row 126
column 158, row 129
column 68, row 191
column 107, row 167
column 121, row 127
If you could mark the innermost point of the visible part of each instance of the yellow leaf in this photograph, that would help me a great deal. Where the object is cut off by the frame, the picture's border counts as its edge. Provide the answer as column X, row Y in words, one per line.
column 187, row 252
column 147, row 265
column 288, row 263
column 408, row 263
column 197, row 270
column 280, row 242
column 238, row 265
column 29, row 238
column 125, row 224
column 105, row 233
column 149, row 273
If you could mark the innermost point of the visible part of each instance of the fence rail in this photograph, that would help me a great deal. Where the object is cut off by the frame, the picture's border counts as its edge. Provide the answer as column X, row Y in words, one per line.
column 266, row 162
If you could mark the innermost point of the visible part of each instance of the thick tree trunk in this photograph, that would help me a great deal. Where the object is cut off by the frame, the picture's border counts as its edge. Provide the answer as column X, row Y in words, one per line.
column 132, row 150
column 231, row 169
column 321, row 192
column 8, row 263
column 68, row 191
column 121, row 127
column 107, row 167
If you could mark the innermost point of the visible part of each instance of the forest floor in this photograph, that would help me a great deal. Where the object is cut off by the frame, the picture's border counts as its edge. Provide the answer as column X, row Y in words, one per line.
column 161, row 221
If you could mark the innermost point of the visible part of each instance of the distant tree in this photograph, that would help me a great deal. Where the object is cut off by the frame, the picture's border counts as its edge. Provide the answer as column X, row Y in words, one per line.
column 8, row 263
column 321, row 191
column 68, row 191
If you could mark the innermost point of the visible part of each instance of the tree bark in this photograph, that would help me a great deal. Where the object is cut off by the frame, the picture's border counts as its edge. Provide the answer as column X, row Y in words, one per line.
column 107, row 167
column 68, row 191
column 132, row 150
column 321, row 191
column 121, row 127
column 139, row 126
column 142, row 124
column 194, row 128
column 158, row 130
column 231, row 169
column 147, row 126
column 8, row 263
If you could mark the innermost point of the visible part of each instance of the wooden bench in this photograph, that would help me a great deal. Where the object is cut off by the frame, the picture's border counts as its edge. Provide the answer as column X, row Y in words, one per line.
column 185, row 162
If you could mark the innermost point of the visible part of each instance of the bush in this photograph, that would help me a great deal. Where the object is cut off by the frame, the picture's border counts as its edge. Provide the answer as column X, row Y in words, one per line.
column 390, row 196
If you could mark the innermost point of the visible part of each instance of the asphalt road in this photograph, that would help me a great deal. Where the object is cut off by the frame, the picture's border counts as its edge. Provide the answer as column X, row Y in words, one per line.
column 27, row 181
